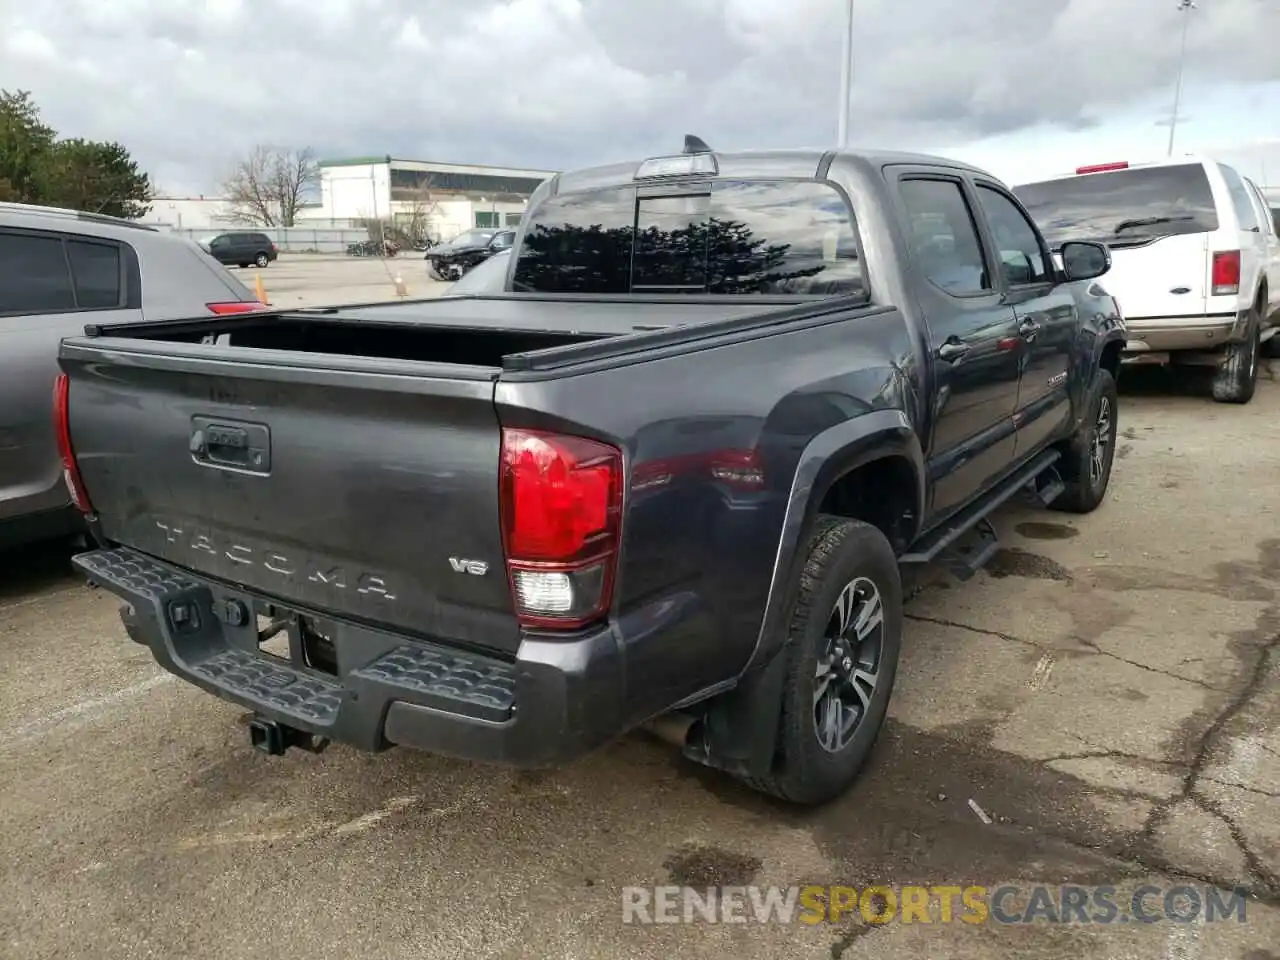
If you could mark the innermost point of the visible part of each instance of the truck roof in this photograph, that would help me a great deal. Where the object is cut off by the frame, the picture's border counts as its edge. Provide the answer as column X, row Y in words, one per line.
column 750, row 164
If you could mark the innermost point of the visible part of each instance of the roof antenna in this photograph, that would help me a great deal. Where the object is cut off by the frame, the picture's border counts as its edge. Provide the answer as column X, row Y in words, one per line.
column 694, row 144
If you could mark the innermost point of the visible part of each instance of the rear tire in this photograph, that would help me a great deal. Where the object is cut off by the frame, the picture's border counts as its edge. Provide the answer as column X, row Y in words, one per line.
column 1087, row 460
column 262, row 260
column 1237, row 377
column 850, row 580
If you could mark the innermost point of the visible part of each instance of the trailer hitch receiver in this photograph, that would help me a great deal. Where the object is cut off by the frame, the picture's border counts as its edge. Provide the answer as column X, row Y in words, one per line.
column 274, row 738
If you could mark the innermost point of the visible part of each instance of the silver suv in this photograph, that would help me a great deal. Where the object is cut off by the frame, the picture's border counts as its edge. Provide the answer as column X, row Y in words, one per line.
column 60, row 269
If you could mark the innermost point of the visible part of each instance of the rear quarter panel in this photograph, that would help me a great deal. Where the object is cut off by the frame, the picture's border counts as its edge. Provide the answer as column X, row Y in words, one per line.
column 698, row 555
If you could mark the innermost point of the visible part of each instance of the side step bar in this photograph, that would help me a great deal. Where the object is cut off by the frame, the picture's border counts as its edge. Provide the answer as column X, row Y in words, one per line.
column 968, row 540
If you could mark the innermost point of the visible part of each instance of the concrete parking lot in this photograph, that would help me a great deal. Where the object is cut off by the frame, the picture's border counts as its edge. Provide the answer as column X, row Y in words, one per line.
column 318, row 280
column 1107, row 694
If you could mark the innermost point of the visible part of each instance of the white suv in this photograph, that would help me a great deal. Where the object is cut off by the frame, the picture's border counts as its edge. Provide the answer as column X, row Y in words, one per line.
column 1196, row 259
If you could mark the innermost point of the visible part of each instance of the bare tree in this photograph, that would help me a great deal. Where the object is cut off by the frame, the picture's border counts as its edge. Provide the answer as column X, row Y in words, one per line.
column 267, row 187
column 419, row 220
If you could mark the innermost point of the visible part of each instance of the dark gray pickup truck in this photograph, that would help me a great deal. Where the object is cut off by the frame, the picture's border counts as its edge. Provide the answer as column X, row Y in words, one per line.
column 669, row 476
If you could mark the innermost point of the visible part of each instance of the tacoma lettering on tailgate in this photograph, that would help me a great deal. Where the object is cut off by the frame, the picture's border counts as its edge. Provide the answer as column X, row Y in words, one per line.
column 336, row 577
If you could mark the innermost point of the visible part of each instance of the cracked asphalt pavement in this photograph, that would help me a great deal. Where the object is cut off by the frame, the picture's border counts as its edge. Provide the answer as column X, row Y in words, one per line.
column 1107, row 693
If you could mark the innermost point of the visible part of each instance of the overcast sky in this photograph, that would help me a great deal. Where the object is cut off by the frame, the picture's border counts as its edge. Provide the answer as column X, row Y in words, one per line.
column 188, row 85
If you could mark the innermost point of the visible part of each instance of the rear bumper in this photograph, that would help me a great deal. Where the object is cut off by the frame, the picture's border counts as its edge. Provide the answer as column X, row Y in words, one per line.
column 557, row 701
column 1147, row 335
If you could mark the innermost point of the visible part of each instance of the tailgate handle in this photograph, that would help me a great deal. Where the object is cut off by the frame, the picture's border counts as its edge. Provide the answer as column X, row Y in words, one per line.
column 239, row 446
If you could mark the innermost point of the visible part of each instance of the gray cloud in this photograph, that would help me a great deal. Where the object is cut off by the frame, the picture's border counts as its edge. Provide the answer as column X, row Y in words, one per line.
column 189, row 86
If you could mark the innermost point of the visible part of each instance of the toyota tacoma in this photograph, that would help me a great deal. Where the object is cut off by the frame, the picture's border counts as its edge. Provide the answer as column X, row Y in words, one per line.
column 670, row 475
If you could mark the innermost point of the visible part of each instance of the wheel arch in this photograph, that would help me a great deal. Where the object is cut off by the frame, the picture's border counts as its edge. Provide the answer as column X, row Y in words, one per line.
column 836, row 470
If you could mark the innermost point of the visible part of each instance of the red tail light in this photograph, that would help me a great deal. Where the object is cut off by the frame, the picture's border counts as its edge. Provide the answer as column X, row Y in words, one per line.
column 1226, row 273
column 1104, row 167
column 62, row 429
column 561, row 504
column 236, row 306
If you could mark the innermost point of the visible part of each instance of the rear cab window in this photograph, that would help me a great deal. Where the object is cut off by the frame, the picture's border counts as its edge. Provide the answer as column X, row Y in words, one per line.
column 727, row 237
column 1124, row 207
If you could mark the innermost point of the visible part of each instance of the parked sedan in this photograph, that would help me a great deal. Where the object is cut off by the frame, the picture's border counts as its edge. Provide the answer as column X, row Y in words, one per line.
column 61, row 270
column 450, row 261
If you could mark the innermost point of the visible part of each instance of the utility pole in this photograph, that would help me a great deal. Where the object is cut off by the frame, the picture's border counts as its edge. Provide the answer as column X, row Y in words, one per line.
column 846, row 77
column 1184, row 7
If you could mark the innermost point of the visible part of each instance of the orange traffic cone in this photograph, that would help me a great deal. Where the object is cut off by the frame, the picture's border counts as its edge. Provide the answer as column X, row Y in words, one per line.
column 401, row 289
column 259, row 289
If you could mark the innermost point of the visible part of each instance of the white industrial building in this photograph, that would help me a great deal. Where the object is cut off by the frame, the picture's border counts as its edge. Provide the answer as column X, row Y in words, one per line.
column 186, row 213
column 451, row 197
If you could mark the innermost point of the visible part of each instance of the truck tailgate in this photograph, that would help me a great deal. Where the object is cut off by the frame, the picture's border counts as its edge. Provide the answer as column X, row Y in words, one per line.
column 344, row 491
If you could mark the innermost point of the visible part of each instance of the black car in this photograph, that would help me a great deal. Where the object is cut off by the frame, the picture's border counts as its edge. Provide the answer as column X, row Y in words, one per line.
column 243, row 249
column 450, row 261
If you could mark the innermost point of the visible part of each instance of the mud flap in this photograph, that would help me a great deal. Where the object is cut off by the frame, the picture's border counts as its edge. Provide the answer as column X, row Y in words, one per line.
column 738, row 733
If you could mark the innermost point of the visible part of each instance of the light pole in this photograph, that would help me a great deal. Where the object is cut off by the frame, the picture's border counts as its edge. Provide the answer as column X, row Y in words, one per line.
column 846, row 76
column 1184, row 7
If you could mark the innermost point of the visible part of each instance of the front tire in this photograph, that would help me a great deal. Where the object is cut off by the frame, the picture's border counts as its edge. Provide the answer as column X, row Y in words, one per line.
column 844, row 638
column 1087, row 460
column 1237, row 377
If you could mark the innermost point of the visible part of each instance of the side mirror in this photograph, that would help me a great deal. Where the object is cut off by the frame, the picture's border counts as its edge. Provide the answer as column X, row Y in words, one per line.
column 1082, row 260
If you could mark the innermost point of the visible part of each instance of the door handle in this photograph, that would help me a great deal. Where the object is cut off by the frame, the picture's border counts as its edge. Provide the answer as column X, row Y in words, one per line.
column 1028, row 329
column 952, row 350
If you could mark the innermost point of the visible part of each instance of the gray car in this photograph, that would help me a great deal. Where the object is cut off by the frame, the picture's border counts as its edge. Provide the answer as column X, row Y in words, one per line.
column 60, row 270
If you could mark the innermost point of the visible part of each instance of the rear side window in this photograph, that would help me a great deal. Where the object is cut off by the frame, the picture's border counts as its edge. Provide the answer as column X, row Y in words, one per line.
column 95, row 271
column 34, row 275
column 1240, row 201
column 730, row 237
column 1122, row 207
